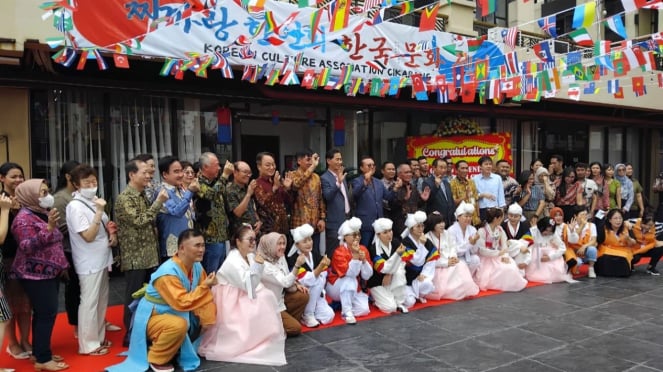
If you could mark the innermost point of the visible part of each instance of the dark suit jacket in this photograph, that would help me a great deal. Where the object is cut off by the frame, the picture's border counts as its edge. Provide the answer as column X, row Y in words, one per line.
column 368, row 200
column 334, row 200
column 438, row 202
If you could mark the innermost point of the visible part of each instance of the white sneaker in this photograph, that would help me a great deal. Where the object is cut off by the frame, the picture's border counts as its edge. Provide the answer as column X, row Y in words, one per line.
column 310, row 321
column 349, row 318
column 592, row 273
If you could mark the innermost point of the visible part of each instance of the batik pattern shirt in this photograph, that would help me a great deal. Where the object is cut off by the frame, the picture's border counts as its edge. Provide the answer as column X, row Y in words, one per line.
column 308, row 206
column 211, row 217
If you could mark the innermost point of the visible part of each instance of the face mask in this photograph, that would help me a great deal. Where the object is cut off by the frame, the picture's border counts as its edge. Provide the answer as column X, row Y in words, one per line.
column 88, row 193
column 47, row 201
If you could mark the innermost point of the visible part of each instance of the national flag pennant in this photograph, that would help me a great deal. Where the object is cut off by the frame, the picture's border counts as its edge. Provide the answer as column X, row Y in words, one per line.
column 441, row 88
column 573, row 58
column 511, row 62
column 542, row 50
column 289, row 78
column 62, row 21
column 340, row 10
column 419, row 87
column 167, row 67
column 307, row 80
column 452, row 92
column 511, row 86
column 549, row 25
column 270, row 22
column 323, row 77
column 584, row 15
column 621, row 66
column 650, row 61
column 65, row 57
column 458, row 73
column 619, row 94
column 574, row 92
column 385, row 87
column 483, row 92
column 246, row 73
column 616, row 24
column 273, row 77
column 633, row 5
column 590, row 88
column 481, row 69
column 635, row 57
column 544, row 81
column 581, row 37
column 428, row 18
column 601, row 48
column 307, row 3
column 101, row 63
column 468, row 90
column 316, row 17
column 510, row 36
column 394, row 85
column 578, row 70
column 473, row 45
column 376, row 87
column 370, row 4
column 407, row 7
column 121, row 60
column 486, row 7
column 639, row 87
column 660, row 79
column 613, row 86
column 494, row 92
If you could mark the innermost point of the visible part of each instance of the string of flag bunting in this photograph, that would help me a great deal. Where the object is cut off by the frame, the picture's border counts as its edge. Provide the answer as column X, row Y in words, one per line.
column 494, row 77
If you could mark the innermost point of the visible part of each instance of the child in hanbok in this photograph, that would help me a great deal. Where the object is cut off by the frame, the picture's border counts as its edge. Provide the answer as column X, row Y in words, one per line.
column 548, row 264
column 517, row 233
column 350, row 262
column 465, row 236
column 312, row 275
column 452, row 279
column 248, row 326
column 420, row 269
column 497, row 270
column 388, row 284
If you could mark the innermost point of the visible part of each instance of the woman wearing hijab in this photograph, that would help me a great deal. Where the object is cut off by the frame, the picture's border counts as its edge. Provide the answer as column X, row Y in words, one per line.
column 5, row 311
column 312, row 274
column 388, row 284
column 291, row 296
column 350, row 262
column 420, row 269
column 627, row 192
column 452, row 279
column 39, row 262
column 248, row 327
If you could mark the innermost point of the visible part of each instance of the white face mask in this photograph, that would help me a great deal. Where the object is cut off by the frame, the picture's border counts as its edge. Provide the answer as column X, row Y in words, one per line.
column 47, row 201
column 88, row 193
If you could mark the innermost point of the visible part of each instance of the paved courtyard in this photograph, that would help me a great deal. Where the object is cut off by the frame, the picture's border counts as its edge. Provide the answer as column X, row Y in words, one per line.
column 594, row 325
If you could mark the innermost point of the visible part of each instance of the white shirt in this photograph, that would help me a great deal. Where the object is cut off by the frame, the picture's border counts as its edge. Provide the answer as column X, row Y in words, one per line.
column 278, row 278
column 89, row 258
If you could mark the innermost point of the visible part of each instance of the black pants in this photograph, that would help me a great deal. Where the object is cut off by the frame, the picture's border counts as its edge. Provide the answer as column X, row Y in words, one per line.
column 331, row 242
column 134, row 280
column 654, row 255
column 72, row 292
column 43, row 295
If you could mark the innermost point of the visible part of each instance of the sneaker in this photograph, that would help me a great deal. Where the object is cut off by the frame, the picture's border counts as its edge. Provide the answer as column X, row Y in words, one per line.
column 653, row 271
column 349, row 318
column 592, row 273
column 162, row 367
column 310, row 321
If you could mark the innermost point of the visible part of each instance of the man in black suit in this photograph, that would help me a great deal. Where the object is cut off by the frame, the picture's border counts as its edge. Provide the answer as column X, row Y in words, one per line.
column 441, row 199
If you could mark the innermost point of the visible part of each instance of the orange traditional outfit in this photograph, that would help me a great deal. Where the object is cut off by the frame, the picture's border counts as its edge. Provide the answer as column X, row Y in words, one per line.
column 614, row 254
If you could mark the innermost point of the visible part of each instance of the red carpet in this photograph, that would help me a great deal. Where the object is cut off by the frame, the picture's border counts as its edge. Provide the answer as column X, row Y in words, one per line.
column 64, row 343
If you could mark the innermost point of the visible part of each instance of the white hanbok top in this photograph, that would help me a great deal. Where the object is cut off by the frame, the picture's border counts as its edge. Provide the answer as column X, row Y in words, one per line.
column 236, row 272
column 446, row 245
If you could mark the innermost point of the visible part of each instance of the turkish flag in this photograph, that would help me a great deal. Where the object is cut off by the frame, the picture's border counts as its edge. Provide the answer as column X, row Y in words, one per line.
column 121, row 60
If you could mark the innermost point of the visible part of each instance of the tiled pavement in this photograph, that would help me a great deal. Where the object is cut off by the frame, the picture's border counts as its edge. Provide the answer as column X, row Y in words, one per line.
column 595, row 325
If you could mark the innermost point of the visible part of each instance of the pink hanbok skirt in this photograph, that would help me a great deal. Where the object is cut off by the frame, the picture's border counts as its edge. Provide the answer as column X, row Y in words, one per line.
column 553, row 271
column 453, row 283
column 498, row 275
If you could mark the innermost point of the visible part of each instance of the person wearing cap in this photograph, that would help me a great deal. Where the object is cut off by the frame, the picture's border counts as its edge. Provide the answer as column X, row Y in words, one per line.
column 349, row 262
column 547, row 264
column 282, row 281
column 420, row 269
column 452, row 279
column 465, row 236
column 388, row 284
column 517, row 232
column 498, row 270
column 579, row 236
column 312, row 274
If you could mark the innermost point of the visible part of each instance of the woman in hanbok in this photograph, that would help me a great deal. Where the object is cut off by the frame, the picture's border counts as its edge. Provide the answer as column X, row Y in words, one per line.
column 465, row 236
column 420, row 269
column 498, row 270
column 547, row 264
column 278, row 278
column 452, row 279
column 312, row 274
column 248, row 326
column 350, row 262
column 388, row 284
column 616, row 245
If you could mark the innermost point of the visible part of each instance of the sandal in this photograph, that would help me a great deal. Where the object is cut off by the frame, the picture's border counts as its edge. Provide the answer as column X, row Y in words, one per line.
column 102, row 350
column 55, row 358
column 51, row 365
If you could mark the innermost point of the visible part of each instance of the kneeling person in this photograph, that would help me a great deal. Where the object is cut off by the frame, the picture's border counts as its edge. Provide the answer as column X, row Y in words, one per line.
column 177, row 290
